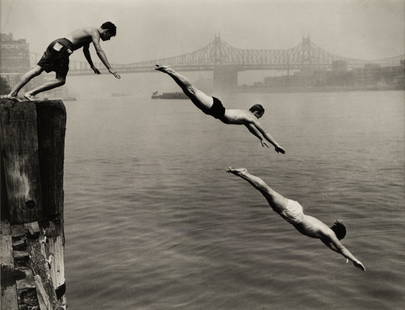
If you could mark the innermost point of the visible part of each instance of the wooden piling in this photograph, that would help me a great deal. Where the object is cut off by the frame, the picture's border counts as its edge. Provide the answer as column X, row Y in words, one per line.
column 32, row 138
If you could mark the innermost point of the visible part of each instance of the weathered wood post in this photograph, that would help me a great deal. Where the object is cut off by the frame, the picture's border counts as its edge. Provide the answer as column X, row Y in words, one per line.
column 32, row 137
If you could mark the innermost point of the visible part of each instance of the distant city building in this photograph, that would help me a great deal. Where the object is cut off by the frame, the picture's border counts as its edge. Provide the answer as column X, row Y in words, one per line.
column 339, row 77
column 14, row 58
column 14, row 54
column 339, row 65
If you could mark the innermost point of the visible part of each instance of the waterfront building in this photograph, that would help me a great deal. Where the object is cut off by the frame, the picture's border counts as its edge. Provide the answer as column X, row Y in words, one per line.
column 14, row 58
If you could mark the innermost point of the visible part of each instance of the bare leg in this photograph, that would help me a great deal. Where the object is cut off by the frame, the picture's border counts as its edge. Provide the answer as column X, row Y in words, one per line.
column 37, row 70
column 276, row 200
column 59, row 81
column 199, row 98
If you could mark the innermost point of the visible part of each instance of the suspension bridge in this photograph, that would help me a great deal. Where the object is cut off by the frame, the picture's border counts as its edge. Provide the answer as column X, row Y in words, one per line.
column 220, row 53
column 226, row 61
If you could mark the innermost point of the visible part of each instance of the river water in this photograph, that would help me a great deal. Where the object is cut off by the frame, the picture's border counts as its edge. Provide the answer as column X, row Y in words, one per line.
column 153, row 221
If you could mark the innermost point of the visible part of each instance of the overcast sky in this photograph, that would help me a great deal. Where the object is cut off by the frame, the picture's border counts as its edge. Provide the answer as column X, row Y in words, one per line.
column 150, row 29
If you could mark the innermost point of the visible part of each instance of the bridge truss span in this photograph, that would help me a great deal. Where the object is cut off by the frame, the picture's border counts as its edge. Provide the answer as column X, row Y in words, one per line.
column 220, row 53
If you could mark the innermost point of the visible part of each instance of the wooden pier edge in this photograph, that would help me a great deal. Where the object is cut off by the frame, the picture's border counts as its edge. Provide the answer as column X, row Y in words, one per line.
column 32, row 138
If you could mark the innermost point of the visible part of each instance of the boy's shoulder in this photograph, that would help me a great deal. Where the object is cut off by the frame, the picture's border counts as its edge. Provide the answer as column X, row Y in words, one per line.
column 242, row 115
column 87, row 31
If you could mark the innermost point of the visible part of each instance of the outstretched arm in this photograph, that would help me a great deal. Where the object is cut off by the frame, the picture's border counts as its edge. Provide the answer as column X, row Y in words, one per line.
column 86, row 53
column 101, row 54
column 334, row 244
column 257, row 134
column 268, row 137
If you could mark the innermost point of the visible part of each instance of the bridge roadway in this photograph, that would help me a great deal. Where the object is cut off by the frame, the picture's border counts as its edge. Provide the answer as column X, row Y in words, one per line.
column 226, row 61
column 185, row 68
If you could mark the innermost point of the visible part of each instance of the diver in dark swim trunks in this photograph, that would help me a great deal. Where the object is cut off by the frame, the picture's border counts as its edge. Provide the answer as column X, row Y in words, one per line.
column 217, row 109
column 213, row 106
column 56, row 58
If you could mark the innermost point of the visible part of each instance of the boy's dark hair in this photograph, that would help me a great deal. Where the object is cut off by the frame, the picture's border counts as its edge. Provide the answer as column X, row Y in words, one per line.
column 339, row 229
column 110, row 26
column 257, row 107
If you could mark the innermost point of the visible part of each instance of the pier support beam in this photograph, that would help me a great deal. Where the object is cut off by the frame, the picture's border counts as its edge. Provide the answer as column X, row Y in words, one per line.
column 32, row 137
column 225, row 77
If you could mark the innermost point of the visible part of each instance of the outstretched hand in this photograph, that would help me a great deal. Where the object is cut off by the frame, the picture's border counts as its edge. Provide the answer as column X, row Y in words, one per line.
column 279, row 149
column 359, row 265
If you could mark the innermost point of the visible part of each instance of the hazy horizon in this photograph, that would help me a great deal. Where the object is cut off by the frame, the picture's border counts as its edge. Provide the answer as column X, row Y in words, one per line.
column 155, row 29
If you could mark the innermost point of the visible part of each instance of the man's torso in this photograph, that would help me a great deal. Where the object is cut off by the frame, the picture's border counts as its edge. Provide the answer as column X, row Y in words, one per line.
column 312, row 227
column 237, row 116
column 81, row 37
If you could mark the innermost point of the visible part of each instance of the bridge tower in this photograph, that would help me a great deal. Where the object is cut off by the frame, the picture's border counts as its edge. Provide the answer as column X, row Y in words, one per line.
column 225, row 75
column 306, row 55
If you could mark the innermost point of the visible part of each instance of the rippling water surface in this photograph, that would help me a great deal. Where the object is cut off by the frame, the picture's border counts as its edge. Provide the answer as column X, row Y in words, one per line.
column 154, row 222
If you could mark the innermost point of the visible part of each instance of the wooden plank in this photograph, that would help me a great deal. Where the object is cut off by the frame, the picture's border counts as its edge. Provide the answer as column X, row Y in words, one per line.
column 51, row 115
column 51, row 140
column 18, row 230
column 19, row 244
column 5, row 228
column 57, row 262
column 39, row 265
column 33, row 228
column 43, row 300
column 27, row 281
column 32, row 138
column 18, row 135
column 6, row 254
column 54, row 232
column 8, row 283
column 3, row 197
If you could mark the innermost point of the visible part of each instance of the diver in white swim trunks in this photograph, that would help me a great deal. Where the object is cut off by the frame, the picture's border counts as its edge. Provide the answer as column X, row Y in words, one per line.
column 292, row 212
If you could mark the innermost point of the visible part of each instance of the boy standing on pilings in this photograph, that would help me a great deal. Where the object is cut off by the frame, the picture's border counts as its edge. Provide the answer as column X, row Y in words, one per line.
column 56, row 58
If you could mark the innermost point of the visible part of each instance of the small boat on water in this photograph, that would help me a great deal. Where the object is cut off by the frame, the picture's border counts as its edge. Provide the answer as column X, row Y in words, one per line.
column 170, row 95
column 65, row 98
column 69, row 98
column 120, row 94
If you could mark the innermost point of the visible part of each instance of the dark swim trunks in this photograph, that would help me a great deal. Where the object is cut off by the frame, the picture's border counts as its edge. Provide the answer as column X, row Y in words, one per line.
column 56, row 57
column 217, row 109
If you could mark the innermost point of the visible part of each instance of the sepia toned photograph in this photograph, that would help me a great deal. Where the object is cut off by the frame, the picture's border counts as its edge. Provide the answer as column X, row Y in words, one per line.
column 202, row 154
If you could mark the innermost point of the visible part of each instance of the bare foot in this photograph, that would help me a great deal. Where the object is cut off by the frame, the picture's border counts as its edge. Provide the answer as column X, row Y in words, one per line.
column 29, row 97
column 9, row 96
column 236, row 171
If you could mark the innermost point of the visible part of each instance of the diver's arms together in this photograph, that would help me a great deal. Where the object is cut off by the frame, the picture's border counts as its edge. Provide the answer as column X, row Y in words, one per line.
column 268, row 137
column 101, row 54
column 256, row 133
column 334, row 244
column 86, row 53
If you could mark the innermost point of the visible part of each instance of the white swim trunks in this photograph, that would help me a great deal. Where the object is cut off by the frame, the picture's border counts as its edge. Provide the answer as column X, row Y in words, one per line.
column 294, row 212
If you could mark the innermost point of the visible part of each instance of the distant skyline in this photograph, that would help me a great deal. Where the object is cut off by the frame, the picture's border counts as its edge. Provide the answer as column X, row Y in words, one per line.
column 151, row 29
